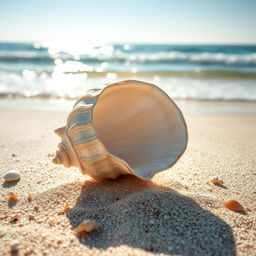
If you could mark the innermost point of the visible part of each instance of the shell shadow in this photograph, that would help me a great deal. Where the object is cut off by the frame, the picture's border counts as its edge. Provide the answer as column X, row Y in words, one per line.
column 9, row 184
column 143, row 215
column 11, row 203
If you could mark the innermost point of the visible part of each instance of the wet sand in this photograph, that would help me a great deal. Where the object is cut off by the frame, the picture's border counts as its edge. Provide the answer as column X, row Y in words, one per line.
column 177, row 213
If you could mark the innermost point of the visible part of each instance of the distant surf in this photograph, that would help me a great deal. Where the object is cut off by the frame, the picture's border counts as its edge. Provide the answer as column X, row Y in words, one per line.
column 198, row 72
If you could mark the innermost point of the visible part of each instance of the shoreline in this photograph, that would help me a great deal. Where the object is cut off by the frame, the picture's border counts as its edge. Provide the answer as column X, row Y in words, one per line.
column 203, row 74
column 194, row 107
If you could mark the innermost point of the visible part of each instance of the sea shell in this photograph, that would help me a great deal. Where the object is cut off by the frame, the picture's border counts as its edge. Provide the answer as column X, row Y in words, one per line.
column 13, row 196
column 129, row 127
column 12, row 175
column 86, row 226
column 234, row 205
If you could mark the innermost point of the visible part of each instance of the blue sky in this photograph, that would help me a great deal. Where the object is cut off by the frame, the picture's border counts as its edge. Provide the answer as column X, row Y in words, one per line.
column 141, row 21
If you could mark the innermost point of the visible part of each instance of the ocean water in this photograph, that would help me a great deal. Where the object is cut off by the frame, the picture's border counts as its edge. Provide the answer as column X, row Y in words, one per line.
column 197, row 72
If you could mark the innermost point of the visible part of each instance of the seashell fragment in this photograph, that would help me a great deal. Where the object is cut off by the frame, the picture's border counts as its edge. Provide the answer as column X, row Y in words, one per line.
column 65, row 208
column 31, row 217
column 12, row 175
column 86, row 226
column 12, row 196
column 217, row 182
column 129, row 127
column 36, row 208
column 29, row 197
column 234, row 205
column 14, row 218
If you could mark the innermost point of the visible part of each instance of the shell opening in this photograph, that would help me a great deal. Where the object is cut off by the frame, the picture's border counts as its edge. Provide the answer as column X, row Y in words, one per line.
column 141, row 125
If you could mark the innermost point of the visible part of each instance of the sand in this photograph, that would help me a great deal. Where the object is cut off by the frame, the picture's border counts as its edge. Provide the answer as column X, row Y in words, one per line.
column 177, row 213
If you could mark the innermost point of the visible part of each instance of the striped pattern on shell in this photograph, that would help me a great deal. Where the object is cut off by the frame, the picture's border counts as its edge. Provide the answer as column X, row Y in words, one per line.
column 130, row 127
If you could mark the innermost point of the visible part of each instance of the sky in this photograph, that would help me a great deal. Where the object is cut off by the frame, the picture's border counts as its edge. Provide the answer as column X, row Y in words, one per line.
column 132, row 21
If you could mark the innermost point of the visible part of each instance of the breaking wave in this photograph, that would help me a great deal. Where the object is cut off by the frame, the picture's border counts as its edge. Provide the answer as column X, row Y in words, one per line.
column 206, row 58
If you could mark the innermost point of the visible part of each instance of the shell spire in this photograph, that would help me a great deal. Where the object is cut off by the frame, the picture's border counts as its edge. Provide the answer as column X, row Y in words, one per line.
column 60, row 131
column 62, row 157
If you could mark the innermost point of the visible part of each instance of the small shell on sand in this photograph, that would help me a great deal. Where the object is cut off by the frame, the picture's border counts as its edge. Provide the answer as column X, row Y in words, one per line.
column 31, row 217
column 29, row 197
column 85, row 226
column 234, row 205
column 12, row 196
column 36, row 208
column 216, row 182
column 12, row 175
column 14, row 218
column 65, row 208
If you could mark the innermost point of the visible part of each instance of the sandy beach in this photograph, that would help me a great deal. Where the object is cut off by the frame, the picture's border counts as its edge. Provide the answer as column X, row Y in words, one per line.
column 177, row 213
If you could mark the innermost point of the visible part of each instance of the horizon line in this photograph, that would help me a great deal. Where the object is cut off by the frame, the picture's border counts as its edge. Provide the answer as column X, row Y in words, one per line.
column 149, row 43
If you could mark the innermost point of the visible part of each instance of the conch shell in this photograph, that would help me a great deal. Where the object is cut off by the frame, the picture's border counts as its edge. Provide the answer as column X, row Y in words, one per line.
column 129, row 127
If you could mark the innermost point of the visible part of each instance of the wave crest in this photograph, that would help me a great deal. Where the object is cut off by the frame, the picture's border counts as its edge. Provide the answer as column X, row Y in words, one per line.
column 206, row 58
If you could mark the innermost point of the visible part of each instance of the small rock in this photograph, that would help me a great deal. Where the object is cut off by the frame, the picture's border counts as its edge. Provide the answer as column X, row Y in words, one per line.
column 12, row 175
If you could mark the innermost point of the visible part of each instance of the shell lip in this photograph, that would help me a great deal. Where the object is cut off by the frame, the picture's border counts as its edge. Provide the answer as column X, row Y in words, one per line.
column 123, row 83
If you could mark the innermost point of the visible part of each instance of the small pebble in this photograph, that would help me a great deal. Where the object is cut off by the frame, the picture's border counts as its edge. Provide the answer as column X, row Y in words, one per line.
column 12, row 175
